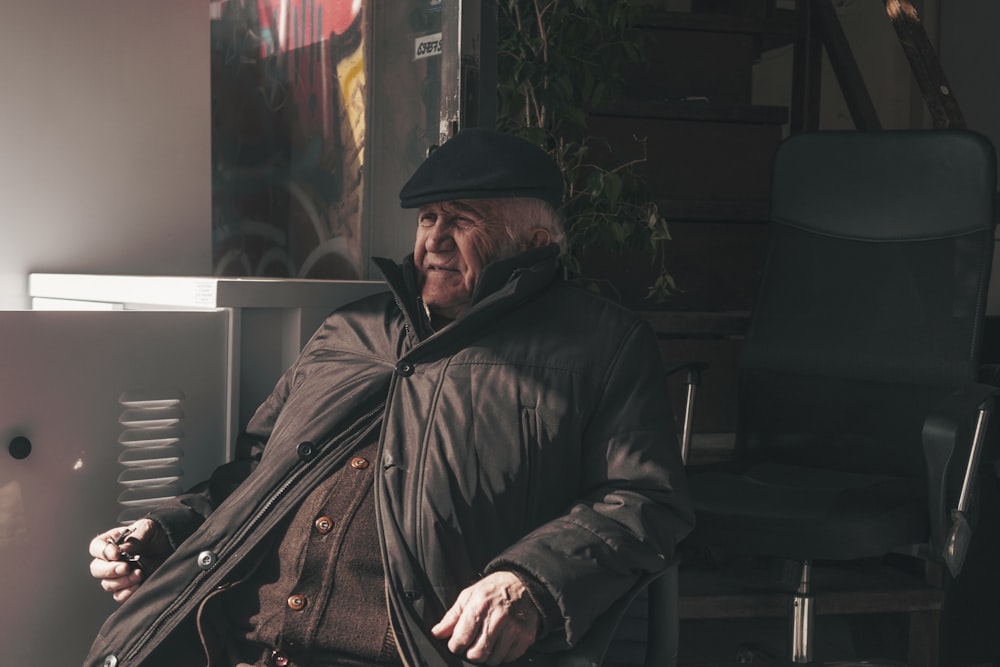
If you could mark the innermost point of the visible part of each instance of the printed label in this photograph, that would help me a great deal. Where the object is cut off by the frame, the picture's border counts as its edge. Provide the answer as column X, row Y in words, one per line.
column 427, row 46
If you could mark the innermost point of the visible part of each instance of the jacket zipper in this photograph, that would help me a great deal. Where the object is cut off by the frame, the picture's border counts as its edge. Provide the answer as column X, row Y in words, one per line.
column 410, row 335
column 359, row 426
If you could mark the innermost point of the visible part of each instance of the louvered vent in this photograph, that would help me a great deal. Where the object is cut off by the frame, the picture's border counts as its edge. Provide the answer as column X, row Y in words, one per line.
column 151, row 460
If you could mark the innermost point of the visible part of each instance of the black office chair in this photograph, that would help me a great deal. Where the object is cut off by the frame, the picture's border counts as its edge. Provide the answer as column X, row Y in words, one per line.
column 859, row 418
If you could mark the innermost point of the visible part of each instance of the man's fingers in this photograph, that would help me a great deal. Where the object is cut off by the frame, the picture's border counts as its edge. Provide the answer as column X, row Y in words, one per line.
column 103, row 545
column 511, row 644
column 120, row 583
column 107, row 544
column 503, row 637
column 140, row 530
column 483, row 640
column 466, row 628
column 446, row 626
column 492, row 621
column 124, row 594
column 506, row 641
column 483, row 633
column 103, row 569
column 118, row 575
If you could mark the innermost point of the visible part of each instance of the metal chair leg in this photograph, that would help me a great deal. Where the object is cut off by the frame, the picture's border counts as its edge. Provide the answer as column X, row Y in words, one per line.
column 803, row 614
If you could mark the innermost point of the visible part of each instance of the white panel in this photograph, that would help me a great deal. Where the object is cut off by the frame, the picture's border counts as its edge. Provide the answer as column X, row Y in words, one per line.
column 274, row 317
column 139, row 292
column 105, row 145
column 63, row 376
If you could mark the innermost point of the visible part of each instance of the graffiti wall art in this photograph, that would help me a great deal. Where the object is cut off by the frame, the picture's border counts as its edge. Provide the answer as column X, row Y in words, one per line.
column 288, row 137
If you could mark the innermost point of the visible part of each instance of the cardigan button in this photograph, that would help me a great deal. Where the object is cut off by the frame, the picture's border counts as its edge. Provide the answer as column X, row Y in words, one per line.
column 279, row 659
column 405, row 368
column 324, row 525
column 111, row 661
column 359, row 463
column 296, row 602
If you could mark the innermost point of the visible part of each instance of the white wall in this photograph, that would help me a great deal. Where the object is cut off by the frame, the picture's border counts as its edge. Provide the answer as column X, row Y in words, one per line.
column 105, row 139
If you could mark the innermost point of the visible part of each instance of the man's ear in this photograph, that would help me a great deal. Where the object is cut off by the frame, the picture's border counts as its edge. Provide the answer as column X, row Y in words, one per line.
column 539, row 237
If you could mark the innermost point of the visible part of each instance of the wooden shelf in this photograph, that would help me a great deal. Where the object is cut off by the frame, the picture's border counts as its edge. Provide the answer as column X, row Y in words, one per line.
column 872, row 589
column 684, row 110
column 781, row 23
column 674, row 323
column 697, row 210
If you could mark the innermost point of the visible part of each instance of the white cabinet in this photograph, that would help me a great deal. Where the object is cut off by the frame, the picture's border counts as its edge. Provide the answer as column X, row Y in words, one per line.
column 107, row 409
column 63, row 379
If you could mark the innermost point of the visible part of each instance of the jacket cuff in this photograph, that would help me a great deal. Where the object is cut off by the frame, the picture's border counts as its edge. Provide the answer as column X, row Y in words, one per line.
column 177, row 522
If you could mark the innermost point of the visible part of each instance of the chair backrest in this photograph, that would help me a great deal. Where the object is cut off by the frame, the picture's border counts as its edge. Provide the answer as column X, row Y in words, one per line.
column 872, row 297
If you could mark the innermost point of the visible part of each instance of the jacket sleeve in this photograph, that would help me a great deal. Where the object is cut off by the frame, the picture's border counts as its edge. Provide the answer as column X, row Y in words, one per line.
column 633, row 507
column 181, row 516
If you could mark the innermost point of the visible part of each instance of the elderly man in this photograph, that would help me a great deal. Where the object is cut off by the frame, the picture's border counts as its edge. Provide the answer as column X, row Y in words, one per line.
column 470, row 468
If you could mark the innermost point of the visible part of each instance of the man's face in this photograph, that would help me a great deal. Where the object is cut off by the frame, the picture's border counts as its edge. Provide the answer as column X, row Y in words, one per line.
column 455, row 240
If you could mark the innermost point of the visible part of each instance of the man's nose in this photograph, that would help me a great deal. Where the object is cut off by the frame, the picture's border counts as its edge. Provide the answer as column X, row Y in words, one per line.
column 439, row 237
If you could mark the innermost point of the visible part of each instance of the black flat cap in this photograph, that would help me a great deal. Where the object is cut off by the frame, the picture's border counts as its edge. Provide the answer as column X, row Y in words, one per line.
column 484, row 164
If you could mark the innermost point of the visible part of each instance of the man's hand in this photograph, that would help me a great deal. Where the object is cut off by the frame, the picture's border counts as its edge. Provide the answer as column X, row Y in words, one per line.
column 124, row 556
column 493, row 621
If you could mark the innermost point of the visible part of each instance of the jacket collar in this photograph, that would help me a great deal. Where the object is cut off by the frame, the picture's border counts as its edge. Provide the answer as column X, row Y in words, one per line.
column 503, row 285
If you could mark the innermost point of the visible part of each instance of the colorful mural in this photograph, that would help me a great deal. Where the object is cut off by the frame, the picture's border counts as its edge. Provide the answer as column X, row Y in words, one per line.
column 288, row 135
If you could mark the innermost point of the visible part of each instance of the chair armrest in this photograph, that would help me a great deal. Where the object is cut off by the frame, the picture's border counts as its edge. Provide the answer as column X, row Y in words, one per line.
column 592, row 649
column 989, row 374
column 694, row 369
column 953, row 435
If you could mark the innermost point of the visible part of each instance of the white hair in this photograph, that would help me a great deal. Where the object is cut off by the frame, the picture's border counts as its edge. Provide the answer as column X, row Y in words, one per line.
column 522, row 214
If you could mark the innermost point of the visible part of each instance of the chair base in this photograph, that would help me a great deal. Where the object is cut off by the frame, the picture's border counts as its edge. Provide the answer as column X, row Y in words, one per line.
column 897, row 613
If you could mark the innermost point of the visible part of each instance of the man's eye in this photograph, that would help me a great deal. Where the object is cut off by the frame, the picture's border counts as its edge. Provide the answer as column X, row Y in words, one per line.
column 426, row 220
column 465, row 223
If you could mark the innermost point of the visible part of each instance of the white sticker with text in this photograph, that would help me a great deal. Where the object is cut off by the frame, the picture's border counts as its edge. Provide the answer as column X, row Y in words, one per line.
column 427, row 46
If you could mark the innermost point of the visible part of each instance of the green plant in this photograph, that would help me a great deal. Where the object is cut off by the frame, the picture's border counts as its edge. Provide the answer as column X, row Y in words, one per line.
column 556, row 60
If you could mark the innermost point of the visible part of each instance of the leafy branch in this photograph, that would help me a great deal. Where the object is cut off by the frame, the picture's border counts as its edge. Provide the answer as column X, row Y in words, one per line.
column 556, row 60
